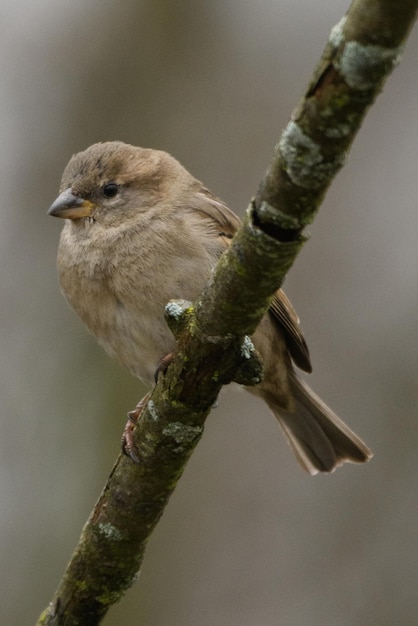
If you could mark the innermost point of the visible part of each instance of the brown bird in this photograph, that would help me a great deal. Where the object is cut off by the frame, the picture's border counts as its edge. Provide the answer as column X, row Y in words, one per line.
column 140, row 231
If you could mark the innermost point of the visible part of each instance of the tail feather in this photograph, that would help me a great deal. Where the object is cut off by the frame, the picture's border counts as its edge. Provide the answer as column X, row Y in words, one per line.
column 319, row 438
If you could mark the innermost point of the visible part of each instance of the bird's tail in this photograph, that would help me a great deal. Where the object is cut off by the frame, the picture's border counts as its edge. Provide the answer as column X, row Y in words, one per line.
column 319, row 438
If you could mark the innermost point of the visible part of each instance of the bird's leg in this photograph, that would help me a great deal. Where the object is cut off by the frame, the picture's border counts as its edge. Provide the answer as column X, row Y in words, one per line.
column 128, row 446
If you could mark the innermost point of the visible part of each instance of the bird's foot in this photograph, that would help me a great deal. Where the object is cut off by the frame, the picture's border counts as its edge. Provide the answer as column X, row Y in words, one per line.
column 163, row 364
column 128, row 445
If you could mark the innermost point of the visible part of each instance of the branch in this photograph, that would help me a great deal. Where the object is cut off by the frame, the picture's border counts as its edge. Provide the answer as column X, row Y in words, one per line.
column 213, row 344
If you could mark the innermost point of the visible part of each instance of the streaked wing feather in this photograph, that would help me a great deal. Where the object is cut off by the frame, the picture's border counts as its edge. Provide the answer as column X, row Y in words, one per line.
column 215, row 210
column 285, row 316
column 282, row 312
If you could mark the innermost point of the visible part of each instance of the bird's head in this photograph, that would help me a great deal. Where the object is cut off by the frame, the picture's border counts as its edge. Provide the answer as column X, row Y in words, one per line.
column 112, row 182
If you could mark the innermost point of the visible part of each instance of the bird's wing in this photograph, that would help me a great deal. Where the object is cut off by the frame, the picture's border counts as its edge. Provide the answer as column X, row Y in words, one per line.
column 286, row 318
column 281, row 310
column 214, row 210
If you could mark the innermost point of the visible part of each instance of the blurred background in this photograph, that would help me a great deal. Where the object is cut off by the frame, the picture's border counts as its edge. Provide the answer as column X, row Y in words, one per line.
column 248, row 538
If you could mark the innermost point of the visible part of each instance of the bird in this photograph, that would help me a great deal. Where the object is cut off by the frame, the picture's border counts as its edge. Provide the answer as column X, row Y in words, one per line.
column 140, row 231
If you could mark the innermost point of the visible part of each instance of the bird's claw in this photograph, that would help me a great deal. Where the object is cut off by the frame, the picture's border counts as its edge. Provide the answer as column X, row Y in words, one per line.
column 129, row 447
column 163, row 364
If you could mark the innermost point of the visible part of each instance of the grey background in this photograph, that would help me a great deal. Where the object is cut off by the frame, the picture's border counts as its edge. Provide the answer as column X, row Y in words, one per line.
column 247, row 539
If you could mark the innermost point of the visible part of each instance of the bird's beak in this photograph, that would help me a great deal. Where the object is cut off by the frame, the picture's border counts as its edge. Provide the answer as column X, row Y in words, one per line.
column 70, row 206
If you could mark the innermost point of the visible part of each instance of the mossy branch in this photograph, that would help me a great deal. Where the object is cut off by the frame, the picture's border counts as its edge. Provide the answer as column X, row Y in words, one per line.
column 213, row 344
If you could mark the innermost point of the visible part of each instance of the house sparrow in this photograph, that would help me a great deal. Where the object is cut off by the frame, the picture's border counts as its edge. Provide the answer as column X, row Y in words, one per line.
column 140, row 231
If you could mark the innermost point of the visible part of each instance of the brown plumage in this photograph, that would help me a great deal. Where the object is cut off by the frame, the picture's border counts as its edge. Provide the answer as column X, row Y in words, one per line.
column 140, row 231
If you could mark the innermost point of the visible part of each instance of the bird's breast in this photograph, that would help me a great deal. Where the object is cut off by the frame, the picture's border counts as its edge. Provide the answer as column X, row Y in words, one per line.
column 119, row 291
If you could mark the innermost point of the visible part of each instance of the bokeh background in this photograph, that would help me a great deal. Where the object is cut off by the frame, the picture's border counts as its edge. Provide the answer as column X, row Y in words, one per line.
column 247, row 539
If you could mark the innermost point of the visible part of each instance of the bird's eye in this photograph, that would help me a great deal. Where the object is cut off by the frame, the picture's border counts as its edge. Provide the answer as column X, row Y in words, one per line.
column 110, row 190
